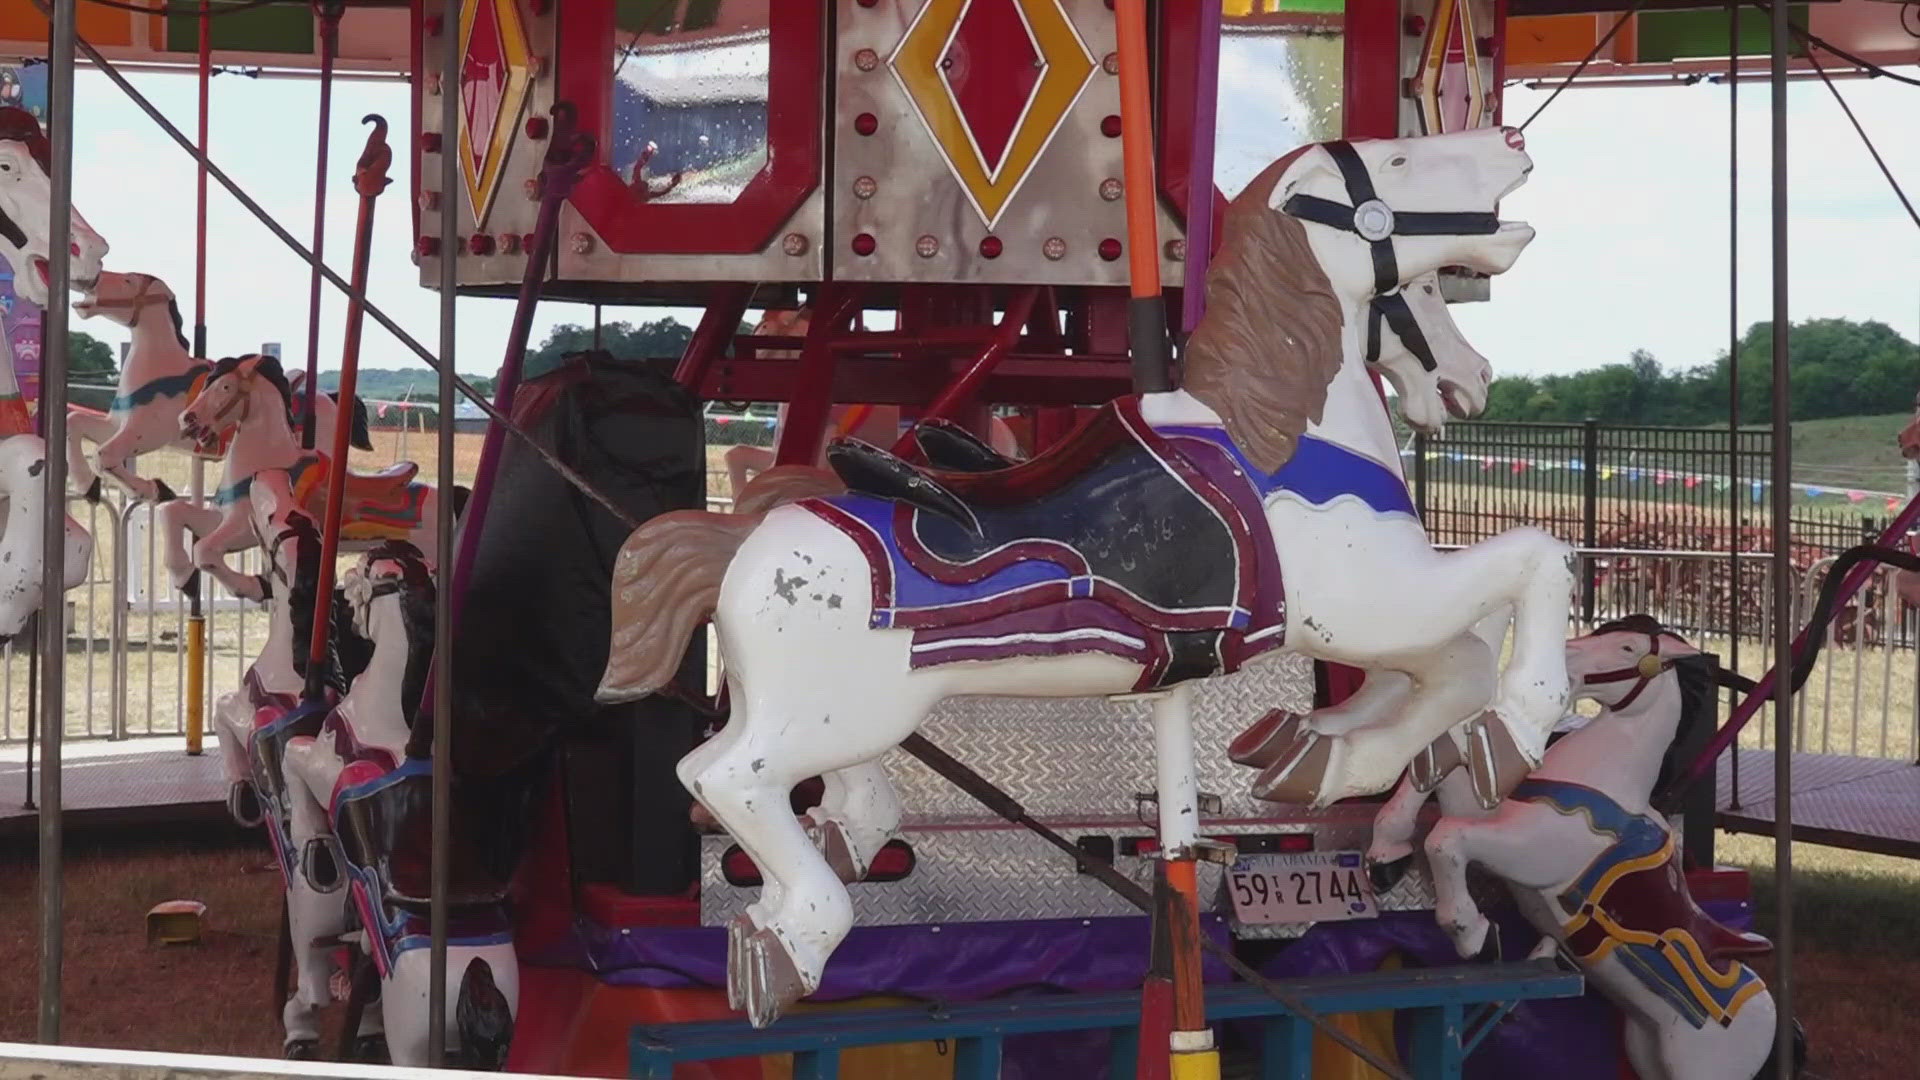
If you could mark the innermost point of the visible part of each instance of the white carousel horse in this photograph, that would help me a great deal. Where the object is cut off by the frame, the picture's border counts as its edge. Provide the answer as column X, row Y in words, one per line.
column 26, row 209
column 159, row 377
column 352, row 788
column 25, row 203
column 1275, row 455
column 1596, row 870
column 249, row 397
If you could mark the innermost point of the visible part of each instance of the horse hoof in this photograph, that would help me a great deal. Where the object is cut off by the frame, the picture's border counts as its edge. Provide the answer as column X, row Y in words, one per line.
column 370, row 1050
column 302, row 1050
column 772, row 981
column 1495, row 761
column 93, row 491
column 739, row 932
column 837, row 848
column 161, row 492
column 1299, row 774
column 1267, row 740
column 1386, row 875
column 243, row 802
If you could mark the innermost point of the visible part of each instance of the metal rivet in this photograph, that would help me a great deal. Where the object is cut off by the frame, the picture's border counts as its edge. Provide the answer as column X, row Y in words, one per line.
column 433, row 84
column 531, row 188
column 536, row 127
column 927, row 246
column 582, row 243
column 1110, row 63
column 863, row 244
column 537, row 66
column 864, row 187
column 1177, row 249
column 1110, row 125
column 866, row 123
column 794, row 244
column 866, row 59
column 990, row 247
column 1055, row 248
column 510, row 243
column 430, row 142
column 429, row 201
column 480, row 244
column 426, row 247
column 433, row 23
column 1111, row 188
column 1111, row 249
column 1413, row 25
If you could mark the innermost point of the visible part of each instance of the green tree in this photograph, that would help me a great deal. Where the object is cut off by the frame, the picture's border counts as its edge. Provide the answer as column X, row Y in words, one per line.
column 661, row 337
column 89, row 359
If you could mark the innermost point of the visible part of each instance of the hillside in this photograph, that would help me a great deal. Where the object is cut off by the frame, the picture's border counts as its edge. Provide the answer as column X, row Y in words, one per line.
column 1851, row 451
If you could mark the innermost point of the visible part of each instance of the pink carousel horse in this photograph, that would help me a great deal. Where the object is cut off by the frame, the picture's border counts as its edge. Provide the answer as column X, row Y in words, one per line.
column 1907, row 582
column 360, row 818
column 159, row 377
column 1145, row 551
column 1596, row 870
column 249, row 398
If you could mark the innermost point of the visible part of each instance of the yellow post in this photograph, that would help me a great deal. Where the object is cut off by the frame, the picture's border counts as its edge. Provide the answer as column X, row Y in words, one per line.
column 196, row 681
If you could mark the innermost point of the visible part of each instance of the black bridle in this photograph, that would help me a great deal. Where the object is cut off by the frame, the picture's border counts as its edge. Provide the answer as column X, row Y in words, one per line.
column 1372, row 220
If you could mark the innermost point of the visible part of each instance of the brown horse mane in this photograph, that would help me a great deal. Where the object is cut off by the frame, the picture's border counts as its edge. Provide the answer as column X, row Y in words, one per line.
column 1270, row 342
column 20, row 125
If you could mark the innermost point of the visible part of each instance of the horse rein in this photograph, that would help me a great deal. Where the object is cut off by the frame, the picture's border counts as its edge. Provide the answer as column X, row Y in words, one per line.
column 141, row 300
column 1647, row 669
column 1372, row 220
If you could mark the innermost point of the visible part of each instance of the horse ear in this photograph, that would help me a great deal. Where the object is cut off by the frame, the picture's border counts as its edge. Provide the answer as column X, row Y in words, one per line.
column 362, row 436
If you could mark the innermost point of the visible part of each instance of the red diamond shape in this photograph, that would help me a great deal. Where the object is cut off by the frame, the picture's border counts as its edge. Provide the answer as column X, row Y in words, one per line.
column 483, row 81
column 992, row 68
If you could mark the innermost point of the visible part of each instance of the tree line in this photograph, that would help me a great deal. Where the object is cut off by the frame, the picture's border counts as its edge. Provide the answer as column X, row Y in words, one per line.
column 1836, row 367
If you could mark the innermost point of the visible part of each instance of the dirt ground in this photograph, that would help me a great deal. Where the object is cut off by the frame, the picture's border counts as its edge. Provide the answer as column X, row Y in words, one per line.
column 1857, row 959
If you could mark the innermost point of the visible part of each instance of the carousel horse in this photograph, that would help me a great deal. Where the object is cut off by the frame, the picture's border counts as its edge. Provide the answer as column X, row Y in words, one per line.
column 25, row 201
column 1144, row 551
column 1596, row 870
column 1907, row 582
column 159, row 377
column 249, row 397
column 361, row 818
column 26, row 210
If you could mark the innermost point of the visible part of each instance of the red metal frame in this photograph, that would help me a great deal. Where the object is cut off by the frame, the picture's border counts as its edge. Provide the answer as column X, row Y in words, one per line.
column 795, row 133
column 1173, row 122
column 1370, row 107
column 812, row 402
column 717, row 327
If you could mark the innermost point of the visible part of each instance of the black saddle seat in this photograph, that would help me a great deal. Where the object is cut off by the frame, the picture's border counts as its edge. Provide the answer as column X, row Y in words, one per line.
column 949, row 446
column 391, row 831
column 1111, row 498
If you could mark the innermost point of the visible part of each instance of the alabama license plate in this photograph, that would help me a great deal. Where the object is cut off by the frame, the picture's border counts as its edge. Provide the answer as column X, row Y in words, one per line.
column 1302, row 887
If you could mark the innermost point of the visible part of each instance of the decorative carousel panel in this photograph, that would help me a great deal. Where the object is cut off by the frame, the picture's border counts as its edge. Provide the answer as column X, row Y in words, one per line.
column 978, row 141
column 506, row 92
column 709, row 116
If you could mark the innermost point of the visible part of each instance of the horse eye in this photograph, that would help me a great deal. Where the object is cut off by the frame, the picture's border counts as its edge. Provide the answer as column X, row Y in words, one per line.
column 1398, row 161
column 1428, row 288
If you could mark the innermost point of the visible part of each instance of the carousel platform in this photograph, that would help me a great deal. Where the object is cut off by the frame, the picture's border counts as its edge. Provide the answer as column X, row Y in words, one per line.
column 126, row 785
column 1861, row 804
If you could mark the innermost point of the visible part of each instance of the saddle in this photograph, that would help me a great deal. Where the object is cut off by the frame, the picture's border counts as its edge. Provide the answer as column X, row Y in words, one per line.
column 385, row 828
column 1655, row 901
column 381, row 505
column 1117, row 533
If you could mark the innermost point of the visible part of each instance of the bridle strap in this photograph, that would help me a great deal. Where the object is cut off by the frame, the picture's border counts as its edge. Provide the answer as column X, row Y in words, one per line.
column 1371, row 219
column 141, row 300
column 1638, row 671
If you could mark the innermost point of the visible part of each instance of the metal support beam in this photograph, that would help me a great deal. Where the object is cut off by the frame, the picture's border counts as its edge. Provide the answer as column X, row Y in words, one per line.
column 1783, row 576
column 443, row 625
column 53, row 417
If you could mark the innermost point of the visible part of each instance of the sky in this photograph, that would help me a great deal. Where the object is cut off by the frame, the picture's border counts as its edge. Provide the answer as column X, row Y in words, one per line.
column 1629, row 196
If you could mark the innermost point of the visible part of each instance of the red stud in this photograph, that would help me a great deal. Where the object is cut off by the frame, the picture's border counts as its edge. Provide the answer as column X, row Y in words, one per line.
column 426, row 247
column 866, row 123
column 1110, row 126
column 527, row 242
column 1413, row 25
column 1110, row 249
column 863, row 244
column 480, row 244
column 430, row 142
column 989, row 247
column 540, row 7
column 510, row 243
column 434, row 23
column 536, row 127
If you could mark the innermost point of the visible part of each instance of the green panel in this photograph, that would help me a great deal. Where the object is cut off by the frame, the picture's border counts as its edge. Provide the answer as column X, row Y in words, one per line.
column 270, row 29
column 1693, row 35
column 1314, row 7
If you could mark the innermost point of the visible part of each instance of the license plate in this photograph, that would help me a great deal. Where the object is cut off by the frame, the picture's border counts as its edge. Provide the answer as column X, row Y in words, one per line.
column 1302, row 887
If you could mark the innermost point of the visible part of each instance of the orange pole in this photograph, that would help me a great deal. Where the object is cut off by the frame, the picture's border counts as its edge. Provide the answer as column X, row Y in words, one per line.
column 369, row 179
column 1147, row 315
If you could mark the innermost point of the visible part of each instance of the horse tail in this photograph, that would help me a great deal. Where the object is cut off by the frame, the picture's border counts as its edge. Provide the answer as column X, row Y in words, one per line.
column 362, row 433
column 666, row 582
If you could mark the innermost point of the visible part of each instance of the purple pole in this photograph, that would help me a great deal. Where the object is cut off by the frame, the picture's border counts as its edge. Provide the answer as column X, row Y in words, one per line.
column 1206, row 103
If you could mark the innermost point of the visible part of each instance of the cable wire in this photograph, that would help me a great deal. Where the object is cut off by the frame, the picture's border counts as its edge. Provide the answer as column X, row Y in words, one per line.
column 1575, row 73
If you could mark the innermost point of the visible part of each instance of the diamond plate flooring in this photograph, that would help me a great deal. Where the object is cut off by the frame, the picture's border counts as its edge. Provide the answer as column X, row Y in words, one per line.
column 1863, row 804
column 134, row 783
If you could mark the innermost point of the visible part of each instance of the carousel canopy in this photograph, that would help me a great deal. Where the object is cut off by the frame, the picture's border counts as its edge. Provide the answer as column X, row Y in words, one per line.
column 1544, row 37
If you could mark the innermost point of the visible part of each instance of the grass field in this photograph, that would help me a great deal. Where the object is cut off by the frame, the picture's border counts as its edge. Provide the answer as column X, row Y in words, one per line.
column 1850, row 451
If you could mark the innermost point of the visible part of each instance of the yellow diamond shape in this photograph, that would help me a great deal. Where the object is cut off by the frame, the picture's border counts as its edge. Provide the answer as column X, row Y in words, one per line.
column 481, row 164
column 1447, row 16
column 1068, row 67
